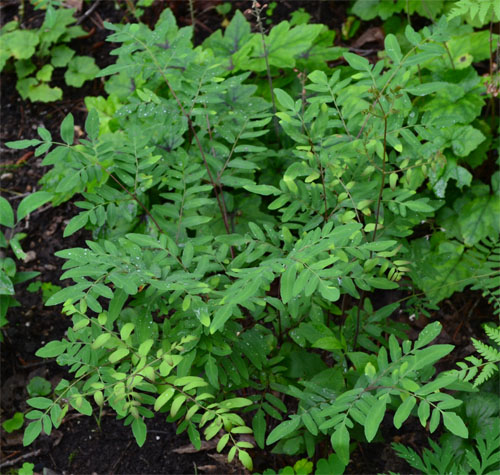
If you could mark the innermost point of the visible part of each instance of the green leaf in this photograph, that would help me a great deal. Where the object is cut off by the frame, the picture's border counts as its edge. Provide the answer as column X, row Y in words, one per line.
column 423, row 412
column 126, row 330
column 92, row 124
column 426, row 88
column 259, row 428
column 374, row 419
column 430, row 355
column 32, row 202
column 357, row 62
column 329, row 293
column 76, row 223
column 14, row 423
column 283, row 430
column 340, row 443
column 221, row 317
column 212, row 371
column 245, row 459
column 263, row 189
column 52, row 349
column 68, row 129
column 429, row 333
column 80, row 69
column 118, row 355
column 101, row 340
column 139, row 430
column 455, row 424
column 403, row 411
column 434, row 422
column 60, row 56
column 163, row 398
column 194, row 436
column 6, row 213
column 31, row 432
column 285, row 99
column 21, row 144
column 287, row 281
column 176, row 404
column 39, row 402
column 392, row 48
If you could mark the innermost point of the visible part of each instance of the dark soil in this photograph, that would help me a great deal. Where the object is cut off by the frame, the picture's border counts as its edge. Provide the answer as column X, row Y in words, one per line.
column 84, row 445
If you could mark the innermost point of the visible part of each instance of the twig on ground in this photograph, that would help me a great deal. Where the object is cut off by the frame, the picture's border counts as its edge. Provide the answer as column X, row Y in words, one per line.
column 9, row 463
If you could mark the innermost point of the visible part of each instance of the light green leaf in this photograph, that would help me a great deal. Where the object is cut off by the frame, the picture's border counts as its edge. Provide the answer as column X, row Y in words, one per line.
column 285, row 99
column 212, row 371
column 429, row 333
column 6, row 213
column 403, row 411
column 263, row 189
column 283, row 430
column 455, row 424
column 357, row 62
column 259, row 428
column 392, row 48
column 32, row 432
column 32, row 202
column 139, row 430
column 76, row 223
column 68, row 129
column 340, row 443
column 287, row 281
column 118, row 355
column 374, row 419
column 163, row 398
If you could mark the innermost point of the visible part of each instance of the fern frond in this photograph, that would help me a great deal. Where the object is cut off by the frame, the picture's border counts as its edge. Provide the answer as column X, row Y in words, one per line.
column 482, row 369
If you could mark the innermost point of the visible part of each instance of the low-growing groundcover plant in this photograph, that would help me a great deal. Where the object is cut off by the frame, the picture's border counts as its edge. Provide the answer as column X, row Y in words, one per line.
column 247, row 204
column 34, row 53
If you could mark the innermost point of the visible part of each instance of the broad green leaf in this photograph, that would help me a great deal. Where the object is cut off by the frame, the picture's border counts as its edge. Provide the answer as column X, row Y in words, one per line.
column 392, row 48
column 139, row 430
column 6, row 213
column 118, row 355
column 357, row 62
column 287, row 281
column 163, row 398
column 79, row 70
column 101, row 340
column 92, row 124
column 52, row 349
column 76, row 223
column 374, row 419
column 259, row 428
column 176, row 404
column 429, row 333
column 283, row 430
column 212, row 371
column 403, row 411
column 32, row 202
column 245, row 459
column 430, row 355
column 126, row 330
column 426, row 88
column 32, row 432
column 21, row 144
column 284, row 99
column 434, row 422
column 340, row 443
column 39, row 402
column 423, row 412
column 263, row 189
column 329, row 293
column 68, row 129
column 455, row 424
